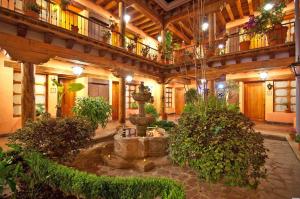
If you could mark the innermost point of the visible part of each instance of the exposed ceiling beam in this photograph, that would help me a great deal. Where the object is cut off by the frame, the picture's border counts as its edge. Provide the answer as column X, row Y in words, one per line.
column 140, row 16
column 250, row 4
column 143, row 8
column 147, row 25
column 239, row 7
column 180, row 34
column 150, row 29
column 213, row 7
column 229, row 11
column 185, row 28
column 99, row 2
column 221, row 18
column 110, row 5
column 141, row 21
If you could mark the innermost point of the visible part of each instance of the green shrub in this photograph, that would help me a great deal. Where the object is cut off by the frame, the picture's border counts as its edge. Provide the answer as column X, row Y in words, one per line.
column 167, row 125
column 57, row 138
column 191, row 96
column 84, row 185
column 95, row 109
column 219, row 143
column 297, row 139
column 151, row 110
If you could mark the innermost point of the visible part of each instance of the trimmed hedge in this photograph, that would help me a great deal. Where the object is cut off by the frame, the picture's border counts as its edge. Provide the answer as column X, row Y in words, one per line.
column 85, row 185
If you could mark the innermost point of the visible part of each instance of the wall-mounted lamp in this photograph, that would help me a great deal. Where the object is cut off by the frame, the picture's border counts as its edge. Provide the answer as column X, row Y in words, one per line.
column 127, row 18
column 204, row 26
column 221, row 46
column 269, row 86
column 268, row 6
column 77, row 70
column 159, row 38
column 221, row 86
column 296, row 68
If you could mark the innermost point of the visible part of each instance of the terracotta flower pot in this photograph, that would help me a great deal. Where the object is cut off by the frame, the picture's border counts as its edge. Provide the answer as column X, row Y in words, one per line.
column 277, row 35
column 32, row 14
column 245, row 45
column 75, row 29
column 292, row 135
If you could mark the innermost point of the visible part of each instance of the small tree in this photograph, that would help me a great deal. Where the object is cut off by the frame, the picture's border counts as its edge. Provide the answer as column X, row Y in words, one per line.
column 95, row 109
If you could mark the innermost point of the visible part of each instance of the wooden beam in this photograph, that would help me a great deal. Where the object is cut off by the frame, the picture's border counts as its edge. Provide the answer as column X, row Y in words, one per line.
column 250, row 4
column 239, row 7
column 185, row 28
column 221, row 19
column 98, row 2
column 110, row 5
column 147, row 25
column 153, row 31
column 141, row 21
column 149, row 29
column 143, row 8
column 136, row 18
column 212, row 7
column 182, row 36
column 229, row 11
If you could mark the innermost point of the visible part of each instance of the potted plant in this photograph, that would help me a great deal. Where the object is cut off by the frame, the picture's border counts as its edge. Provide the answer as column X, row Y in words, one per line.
column 145, row 51
column 154, row 57
column 73, row 87
column 297, row 139
column 131, row 47
column 292, row 135
column 64, row 4
column 74, row 28
column 247, row 32
column 269, row 22
column 106, row 36
column 32, row 9
column 113, row 26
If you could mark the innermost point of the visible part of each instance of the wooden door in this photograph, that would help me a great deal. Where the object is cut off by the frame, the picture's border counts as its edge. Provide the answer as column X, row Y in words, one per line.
column 68, row 100
column 115, row 100
column 99, row 90
column 254, row 101
column 179, row 100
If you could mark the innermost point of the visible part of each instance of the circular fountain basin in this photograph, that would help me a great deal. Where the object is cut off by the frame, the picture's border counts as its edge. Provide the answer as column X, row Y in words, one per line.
column 141, row 147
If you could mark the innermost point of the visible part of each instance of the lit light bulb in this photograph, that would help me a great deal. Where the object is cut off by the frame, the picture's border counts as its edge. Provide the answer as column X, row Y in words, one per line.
column 221, row 46
column 268, row 6
column 263, row 75
column 204, row 26
column 159, row 39
column 127, row 18
column 221, row 86
column 203, row 81
column 128, row 78
column 77, row 70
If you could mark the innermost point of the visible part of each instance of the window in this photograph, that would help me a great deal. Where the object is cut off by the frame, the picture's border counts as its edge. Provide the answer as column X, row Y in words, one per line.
column 40, row 92
column 168, row 97
column 130, row 102
column 285, row 96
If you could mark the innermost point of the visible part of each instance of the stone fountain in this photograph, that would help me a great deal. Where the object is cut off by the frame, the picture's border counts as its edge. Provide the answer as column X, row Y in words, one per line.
column 139, row 148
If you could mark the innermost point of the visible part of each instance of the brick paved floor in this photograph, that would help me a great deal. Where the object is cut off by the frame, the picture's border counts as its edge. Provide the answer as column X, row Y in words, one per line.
column 283, row 179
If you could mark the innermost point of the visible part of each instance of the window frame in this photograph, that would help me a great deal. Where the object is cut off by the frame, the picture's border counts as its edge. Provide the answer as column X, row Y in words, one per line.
column 168, row 97
column 288, row 96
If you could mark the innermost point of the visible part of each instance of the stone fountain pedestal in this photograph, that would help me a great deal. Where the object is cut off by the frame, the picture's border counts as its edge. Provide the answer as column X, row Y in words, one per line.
column 144, row 150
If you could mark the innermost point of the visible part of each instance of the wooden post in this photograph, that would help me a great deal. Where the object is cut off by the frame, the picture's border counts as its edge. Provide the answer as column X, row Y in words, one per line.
column 122, row 25
column 297, row 59
column 211, row 31
column 27, row 96
column 162, row 102
column 122, row 100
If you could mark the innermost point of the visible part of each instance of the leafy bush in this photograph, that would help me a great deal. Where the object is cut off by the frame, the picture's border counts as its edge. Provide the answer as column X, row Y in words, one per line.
column 58, row 138
column 84, row 185
column 219, row 143
column 165, row 124
column 151, row 110
column 191, row 96
column 95, row 109
column 10, row 170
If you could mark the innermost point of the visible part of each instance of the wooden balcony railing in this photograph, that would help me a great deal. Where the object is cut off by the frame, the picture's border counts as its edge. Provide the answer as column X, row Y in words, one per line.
column 73, row 19
column 237, row 42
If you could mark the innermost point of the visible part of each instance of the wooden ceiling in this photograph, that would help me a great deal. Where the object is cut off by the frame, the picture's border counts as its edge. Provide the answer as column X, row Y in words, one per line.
column 148, row 16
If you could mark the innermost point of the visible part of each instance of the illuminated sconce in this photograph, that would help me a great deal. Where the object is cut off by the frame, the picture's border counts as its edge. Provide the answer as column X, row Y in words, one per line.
column 269, row 86
column 221, row 46
column 127, row 18
column 204, row 26
column 263, row 75
column 77, row 70
column 221, row 86
column 203, row 81
column 129, row 78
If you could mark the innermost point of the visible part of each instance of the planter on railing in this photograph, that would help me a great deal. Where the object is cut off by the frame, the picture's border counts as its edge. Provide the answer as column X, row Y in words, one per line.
column 245, row 45
column 277, row 35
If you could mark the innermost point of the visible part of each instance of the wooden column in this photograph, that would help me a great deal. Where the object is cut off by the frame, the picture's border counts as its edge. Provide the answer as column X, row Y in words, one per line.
column 27, row 96
column 163, row 102
column 122, row 100
column 211, row 31
column 297, row 59
column 211, row 86
column 122, row 25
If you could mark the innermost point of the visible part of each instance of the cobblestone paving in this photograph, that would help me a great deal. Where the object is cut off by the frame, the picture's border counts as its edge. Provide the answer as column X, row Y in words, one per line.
column 283, row 179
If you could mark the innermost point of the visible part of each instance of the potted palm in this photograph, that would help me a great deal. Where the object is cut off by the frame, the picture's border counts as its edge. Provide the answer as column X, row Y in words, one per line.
column 247, row 33
column 61, row 91
column 32, row 9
